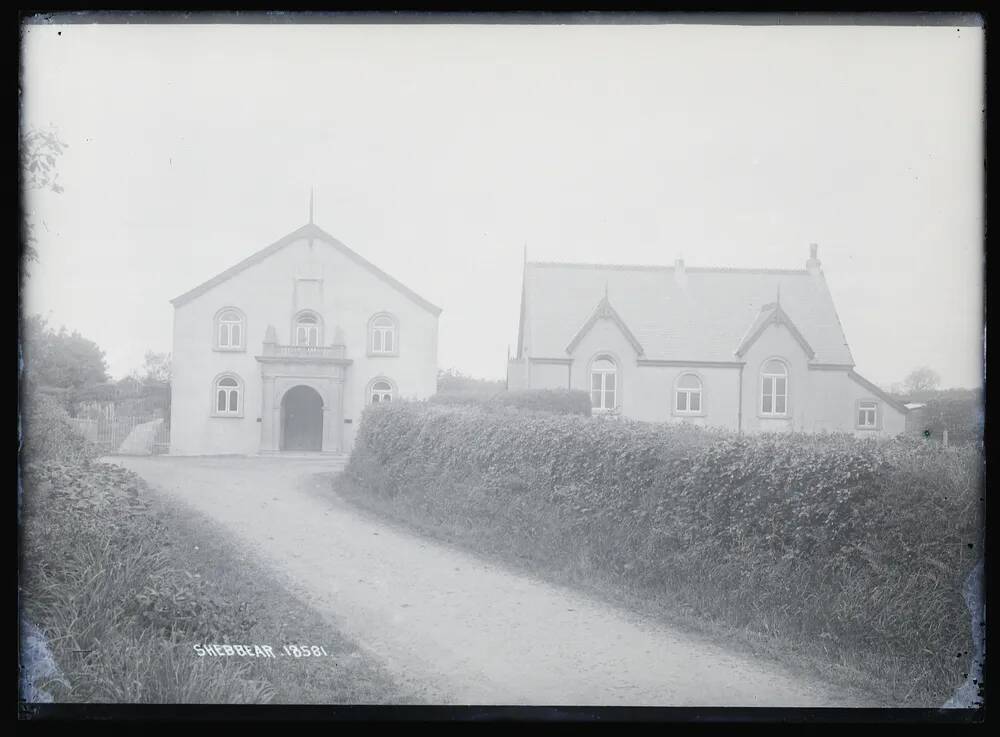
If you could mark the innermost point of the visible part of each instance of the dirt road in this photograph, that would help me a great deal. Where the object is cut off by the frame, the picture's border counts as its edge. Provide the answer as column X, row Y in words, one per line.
column 461, row 630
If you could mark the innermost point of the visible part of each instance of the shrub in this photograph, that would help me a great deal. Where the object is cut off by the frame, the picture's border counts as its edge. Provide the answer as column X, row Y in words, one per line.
column 104, row 392
column 825, row 538
column 96, row 580
column 559, row 401
column 453, row 380
column 48, row 435
column 461, row 397
column 959, row 411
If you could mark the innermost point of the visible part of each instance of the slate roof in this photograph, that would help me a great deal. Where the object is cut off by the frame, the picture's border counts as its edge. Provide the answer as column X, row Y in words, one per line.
column 306, row 231
column 706, row 319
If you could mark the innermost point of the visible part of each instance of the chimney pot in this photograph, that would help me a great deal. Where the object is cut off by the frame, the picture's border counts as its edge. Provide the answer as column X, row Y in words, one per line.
column 680, row 275
column 813, row 264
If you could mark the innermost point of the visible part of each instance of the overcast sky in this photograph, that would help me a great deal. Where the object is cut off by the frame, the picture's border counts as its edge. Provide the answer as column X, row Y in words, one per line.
column 438, row 151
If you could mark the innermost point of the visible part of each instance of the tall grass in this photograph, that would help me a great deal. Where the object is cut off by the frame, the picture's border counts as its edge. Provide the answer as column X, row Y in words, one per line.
column 97, row 581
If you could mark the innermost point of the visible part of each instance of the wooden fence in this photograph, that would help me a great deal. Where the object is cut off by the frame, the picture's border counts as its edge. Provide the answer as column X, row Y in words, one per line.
column 126, row 435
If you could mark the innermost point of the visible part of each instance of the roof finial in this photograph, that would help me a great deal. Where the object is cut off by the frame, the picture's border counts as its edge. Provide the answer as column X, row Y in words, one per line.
column 310, row 205
column 525, row 257
column 605, row 290
column 779, row 295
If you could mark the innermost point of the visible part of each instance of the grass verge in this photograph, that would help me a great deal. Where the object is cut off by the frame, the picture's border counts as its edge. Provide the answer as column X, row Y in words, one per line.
column 123, row 584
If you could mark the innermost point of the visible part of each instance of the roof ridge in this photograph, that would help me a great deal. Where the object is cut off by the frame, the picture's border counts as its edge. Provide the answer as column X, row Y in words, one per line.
column 657, row 267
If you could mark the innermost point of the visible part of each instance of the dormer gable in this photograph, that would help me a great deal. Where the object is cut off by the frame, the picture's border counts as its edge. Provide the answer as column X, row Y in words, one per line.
column 604, row 311
column 773, row 314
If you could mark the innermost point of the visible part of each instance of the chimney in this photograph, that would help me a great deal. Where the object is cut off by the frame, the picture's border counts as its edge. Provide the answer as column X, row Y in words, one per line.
column 680, row 274
column 813, row 264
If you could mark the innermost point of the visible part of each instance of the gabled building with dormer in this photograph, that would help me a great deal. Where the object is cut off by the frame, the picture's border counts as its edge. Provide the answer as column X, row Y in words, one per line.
column 752, row 350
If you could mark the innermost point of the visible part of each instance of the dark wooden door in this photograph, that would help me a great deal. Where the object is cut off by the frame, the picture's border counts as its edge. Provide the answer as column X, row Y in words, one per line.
column 302, row 419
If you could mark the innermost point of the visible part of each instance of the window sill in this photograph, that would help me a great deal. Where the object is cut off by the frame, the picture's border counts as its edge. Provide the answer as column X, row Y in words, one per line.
column 227, row 417
column 868, row 428
column 761, row 416
column 678, row 413
column 375, row 354
column 221, row 349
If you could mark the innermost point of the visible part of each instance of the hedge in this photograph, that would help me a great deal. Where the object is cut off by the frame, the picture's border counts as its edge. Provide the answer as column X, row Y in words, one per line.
column 46, row 434
column 862, row 544
column 559, row 401
column 462, row 397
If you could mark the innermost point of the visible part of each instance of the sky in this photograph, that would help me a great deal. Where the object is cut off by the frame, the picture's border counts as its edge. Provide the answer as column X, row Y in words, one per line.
column 440, row 152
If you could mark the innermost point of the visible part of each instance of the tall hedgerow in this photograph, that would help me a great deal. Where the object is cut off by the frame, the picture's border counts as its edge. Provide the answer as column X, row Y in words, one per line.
column 859, row 543
column 557, row 401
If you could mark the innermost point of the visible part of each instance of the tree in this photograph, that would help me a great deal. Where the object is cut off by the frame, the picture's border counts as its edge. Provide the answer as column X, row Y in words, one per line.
column 156, row 368
column 923, row 379
column 60, row 359
column 39, row 151
column 453, row 380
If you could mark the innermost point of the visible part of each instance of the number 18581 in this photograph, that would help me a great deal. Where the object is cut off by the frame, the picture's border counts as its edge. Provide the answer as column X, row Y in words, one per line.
column 304, row 651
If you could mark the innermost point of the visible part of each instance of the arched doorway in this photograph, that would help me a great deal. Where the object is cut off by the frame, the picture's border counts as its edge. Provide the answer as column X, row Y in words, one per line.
column 302, row 419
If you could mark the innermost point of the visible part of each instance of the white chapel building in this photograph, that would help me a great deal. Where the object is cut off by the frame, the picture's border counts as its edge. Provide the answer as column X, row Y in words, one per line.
column 283, row 351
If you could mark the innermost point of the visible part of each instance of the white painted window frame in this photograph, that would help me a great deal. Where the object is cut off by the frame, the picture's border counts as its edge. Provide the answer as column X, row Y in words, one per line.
column 218, row 386
column 687, row 392
column 371, row 391
column 603, row 391
column 873, row 409
column 381, row 331
column 771, row 376
column 310, row 329
column 225, row 328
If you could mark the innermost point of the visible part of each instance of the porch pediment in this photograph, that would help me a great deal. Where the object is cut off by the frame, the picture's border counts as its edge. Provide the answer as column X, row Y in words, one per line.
column 299, row 354
column 323, row 362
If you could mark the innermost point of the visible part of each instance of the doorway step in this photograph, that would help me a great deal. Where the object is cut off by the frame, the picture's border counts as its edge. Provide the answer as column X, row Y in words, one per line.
column 314, row 454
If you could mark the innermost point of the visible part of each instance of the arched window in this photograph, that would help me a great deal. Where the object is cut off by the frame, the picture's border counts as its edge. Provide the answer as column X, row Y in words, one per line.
column 603, row 383
column 307, row 329
column 383, row 335
column 227, row 398
column 774, row 389
column 381, row 391
column 687, row 395
column 230, row 330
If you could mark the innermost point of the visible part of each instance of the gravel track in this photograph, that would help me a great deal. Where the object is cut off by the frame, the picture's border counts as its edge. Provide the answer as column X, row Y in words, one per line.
column 451, row 626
